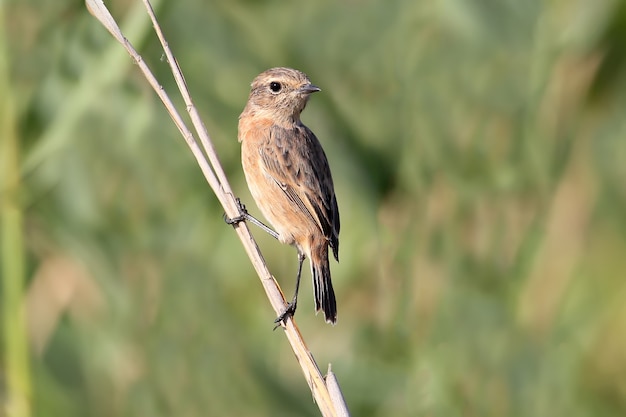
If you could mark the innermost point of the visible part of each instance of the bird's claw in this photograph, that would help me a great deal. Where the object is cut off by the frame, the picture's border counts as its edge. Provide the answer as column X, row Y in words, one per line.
column 234, row 220
column 237, row 219
column 289, row 312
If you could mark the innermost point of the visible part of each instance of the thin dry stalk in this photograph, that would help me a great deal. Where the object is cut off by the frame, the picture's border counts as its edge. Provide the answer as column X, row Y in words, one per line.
column 329, row 405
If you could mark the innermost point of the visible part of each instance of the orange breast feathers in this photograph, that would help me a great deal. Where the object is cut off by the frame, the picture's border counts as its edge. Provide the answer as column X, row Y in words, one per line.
column 294, row 224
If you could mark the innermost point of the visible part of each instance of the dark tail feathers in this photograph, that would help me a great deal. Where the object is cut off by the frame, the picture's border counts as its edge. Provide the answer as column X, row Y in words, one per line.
column 323, row 287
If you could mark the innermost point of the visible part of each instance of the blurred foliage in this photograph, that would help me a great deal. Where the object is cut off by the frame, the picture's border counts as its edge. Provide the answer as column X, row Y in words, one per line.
column 478, row 153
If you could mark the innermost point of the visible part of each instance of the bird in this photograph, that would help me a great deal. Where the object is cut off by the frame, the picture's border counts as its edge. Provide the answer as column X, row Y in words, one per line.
column 289, row 177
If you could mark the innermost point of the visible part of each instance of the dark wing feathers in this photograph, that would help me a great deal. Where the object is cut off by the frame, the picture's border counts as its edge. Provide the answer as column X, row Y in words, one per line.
column 301, row 170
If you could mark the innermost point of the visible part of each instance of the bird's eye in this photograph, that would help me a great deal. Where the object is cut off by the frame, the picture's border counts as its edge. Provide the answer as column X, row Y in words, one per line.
column 275, row 87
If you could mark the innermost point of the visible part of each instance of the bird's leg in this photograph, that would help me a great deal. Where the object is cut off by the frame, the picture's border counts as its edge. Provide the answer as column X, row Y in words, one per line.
column 291, row 307
column 245, row 216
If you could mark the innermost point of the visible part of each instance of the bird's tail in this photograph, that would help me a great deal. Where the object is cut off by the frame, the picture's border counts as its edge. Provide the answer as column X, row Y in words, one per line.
column 322, row 284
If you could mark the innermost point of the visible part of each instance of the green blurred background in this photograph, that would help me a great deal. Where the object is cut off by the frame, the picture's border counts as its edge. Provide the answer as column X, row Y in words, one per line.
column 479, row 155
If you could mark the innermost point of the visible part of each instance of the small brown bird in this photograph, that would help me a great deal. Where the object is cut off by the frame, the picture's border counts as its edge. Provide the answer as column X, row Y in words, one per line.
column 289, row 177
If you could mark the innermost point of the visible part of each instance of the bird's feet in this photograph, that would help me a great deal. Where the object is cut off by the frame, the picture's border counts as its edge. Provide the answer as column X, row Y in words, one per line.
column 238, row 219
column 290, row 311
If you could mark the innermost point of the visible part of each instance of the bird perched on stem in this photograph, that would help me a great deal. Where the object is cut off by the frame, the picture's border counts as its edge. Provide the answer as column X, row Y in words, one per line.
column 288, row 175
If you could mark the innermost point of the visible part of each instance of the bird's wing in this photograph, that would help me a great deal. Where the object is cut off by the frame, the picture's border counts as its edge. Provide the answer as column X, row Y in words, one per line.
column 296, row 162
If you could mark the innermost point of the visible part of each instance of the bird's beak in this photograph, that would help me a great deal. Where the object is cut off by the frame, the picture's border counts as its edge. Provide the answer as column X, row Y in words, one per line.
column 308, row 89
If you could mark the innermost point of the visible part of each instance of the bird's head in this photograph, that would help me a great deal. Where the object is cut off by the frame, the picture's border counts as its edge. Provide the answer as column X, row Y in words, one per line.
column 280, row 93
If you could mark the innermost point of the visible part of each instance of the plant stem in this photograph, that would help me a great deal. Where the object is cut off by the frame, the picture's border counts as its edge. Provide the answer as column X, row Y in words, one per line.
column 16, row 357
